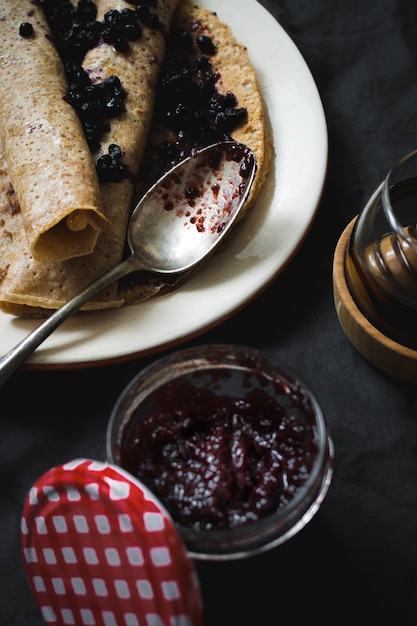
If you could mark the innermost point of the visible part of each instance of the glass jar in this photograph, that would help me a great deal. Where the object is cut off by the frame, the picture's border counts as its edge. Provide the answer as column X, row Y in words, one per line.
column 381, row 258
column 201, row 428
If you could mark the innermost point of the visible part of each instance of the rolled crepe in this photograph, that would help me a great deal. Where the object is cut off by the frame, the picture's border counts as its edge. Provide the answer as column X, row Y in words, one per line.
column 10, row 218
column 231, row 63
column 49, row 162
column 31, row 288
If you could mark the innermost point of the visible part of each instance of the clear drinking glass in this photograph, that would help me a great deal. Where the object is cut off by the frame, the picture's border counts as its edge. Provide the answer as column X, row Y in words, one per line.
column 381, row 258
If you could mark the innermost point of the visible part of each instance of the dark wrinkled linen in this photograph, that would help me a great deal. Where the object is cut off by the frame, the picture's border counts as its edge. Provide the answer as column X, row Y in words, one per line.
column 356, row 562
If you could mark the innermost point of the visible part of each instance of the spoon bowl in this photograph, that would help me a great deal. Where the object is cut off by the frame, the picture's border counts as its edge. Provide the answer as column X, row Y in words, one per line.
column 174, row 227
column 185, row 214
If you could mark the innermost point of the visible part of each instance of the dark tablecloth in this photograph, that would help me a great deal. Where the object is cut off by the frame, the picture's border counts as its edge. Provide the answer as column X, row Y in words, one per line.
column 356, row 562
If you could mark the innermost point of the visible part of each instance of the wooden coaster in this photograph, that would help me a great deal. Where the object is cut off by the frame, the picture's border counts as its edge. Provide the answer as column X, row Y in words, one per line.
column 388, row 355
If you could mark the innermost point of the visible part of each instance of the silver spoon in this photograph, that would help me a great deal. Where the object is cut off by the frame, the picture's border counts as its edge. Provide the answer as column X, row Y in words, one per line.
column 177, row 224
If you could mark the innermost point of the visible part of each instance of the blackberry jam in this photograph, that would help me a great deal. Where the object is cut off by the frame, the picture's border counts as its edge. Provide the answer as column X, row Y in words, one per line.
column 230, row 441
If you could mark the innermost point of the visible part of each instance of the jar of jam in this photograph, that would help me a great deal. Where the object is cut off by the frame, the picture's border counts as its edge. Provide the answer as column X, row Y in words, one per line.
column 215, row 453
column 381, row 256
column 232, row 443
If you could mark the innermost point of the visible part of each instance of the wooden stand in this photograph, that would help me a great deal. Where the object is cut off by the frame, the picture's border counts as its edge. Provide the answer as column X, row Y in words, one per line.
column 386, row 354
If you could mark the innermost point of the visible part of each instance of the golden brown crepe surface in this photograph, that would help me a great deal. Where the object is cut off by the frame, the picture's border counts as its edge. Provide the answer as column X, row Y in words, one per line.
column 49, row 162
column 237, row 75
column 231, row 60
column 46, row 286
column 10, row 218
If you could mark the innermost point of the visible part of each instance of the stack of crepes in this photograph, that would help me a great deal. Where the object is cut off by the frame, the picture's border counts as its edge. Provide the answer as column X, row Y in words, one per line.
column 31, row 285
column 59, row 227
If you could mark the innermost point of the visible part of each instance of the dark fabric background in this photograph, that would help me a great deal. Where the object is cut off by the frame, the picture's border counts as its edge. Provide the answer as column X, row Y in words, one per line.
column 356, row 562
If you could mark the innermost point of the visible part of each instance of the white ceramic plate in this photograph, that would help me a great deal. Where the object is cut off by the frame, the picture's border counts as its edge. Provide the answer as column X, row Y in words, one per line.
column 267, row 241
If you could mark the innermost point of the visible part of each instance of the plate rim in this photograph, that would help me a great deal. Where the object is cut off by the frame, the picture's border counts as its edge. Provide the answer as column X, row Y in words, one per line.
column 51, row 356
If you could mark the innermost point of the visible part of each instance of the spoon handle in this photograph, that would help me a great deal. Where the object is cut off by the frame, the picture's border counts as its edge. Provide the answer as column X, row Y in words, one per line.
column 21, row 351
